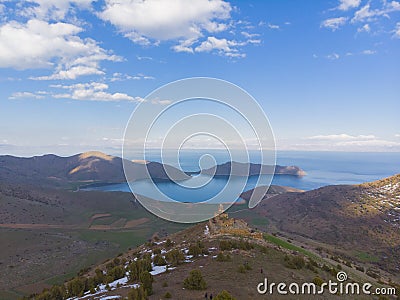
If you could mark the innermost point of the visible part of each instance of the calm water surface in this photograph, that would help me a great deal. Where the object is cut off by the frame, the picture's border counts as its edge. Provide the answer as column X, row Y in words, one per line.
column 323, row 168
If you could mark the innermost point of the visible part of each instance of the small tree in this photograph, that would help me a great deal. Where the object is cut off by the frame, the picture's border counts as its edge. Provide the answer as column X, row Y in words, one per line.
column 224, row 295
column 159, row 260
column 175, row 257
column 147, row 282
column 169, row 243
column 194, row 250
column 195, row 281
column 318, row 280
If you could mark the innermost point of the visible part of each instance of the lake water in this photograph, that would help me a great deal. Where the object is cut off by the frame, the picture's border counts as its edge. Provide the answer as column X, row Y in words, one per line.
column 322, row 168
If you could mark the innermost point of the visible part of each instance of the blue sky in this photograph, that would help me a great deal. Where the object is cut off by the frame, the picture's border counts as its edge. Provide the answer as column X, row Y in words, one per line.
column 326, row 73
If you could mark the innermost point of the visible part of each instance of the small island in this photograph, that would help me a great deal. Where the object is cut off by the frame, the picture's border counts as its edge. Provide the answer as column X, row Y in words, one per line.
column 251, row 169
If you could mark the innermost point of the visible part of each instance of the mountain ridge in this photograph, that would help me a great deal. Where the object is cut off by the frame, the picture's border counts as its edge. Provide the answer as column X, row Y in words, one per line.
column 91, row 166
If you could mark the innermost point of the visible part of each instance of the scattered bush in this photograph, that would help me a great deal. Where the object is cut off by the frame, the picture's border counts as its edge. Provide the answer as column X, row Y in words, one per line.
column 138, row 293
column 167, row 295
column 232, row 244
column 241, row 269
column 294, row 262
column 222, row 258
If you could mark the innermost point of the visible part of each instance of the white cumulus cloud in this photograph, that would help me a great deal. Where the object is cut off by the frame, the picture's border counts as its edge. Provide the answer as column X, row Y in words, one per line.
column 193, row 26
column 166, row 20
column 39, row 44
column 50, row 9
column 348, row 4
column 94, row 91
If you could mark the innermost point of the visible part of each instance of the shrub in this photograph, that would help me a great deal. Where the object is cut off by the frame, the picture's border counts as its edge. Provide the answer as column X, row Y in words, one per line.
column 318, row 281
column 224, row 295
column 326, row 268
column 241, row 269
column 167, row 295
column 360, row 268
column 195, row 281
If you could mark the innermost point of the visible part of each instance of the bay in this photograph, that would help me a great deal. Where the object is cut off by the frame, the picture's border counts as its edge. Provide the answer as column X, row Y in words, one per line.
column 322, row 168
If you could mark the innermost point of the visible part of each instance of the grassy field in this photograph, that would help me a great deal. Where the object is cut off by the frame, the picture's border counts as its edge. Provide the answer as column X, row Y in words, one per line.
column 366, row 257
column 47, row 236
column 284, row 244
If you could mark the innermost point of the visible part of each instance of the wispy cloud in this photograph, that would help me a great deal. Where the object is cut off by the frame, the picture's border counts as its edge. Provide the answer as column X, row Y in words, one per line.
column 341, row 137
column 367, row 14
column 273, row 26
column 122, row 77
column 334, row 23
column 362, row 16
column 222, row 46
column 333, row 56
column 26, row 95
column 340, row 142
column 396, row 31
column 368, row 52
column 364, row 28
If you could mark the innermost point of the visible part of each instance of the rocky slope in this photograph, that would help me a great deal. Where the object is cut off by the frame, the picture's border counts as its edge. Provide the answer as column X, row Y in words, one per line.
column 361, row 221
